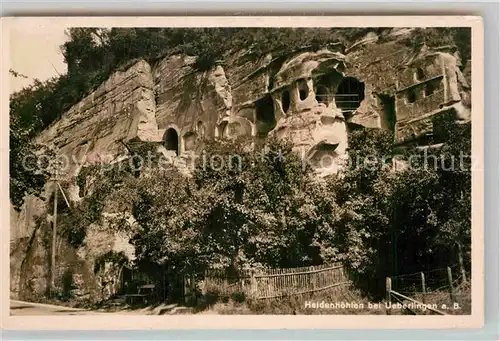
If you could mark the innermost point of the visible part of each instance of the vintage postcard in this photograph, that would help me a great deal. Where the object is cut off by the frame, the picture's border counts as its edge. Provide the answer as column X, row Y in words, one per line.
column 242, row 172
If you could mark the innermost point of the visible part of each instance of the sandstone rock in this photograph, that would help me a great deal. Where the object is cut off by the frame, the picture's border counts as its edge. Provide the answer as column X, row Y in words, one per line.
column 122, row 108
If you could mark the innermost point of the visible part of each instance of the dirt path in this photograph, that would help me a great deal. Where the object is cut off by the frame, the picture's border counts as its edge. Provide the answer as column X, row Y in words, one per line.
column 21, row 308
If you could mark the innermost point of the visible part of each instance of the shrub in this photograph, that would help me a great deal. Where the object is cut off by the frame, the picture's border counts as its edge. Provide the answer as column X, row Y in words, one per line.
column 238, row 297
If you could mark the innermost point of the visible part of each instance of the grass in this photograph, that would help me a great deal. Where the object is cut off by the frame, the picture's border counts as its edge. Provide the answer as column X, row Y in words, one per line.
column 442, row 300
column 338, row 301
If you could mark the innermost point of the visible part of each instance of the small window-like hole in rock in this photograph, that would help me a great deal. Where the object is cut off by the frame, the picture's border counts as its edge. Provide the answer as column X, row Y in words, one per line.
column 302, row 94
column 285, row 100
column 429, row 89
column 303, row 89
column 419, row 74
column 411, row 96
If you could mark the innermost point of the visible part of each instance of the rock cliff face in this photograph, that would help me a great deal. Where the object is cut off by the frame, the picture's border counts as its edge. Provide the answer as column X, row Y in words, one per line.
column 312, row 97
column 121, row 109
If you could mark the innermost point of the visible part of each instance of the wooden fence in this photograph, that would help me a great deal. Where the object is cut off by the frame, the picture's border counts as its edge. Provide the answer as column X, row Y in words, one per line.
column 274, row 283
column 433, row 287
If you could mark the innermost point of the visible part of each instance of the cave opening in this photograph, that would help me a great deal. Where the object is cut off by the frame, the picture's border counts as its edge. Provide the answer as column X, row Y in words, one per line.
column 322, row 95
column 324, row 86
column 171, row 140
column 265, row 118
column 285, row 100
column 303, row 89
column 221, row 129
column 412, row 95
column 419, row 74
column 430, row 88
column 350, row 93
column 388, row 117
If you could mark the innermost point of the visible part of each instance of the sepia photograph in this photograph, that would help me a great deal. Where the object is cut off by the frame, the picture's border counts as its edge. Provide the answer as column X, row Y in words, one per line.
column 242, row 170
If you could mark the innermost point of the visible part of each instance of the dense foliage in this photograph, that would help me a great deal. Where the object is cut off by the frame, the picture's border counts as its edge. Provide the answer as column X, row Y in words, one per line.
column 27, row 175
column 243, row 209
column 414, row 219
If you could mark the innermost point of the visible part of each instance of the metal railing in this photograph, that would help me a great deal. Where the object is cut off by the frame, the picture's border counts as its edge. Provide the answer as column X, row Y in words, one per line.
column 346, row 102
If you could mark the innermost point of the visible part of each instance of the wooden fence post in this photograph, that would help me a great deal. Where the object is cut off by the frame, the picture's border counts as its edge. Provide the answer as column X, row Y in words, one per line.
column 186, row 290
column 242, row 284
column 253, row 285
column 193, row 289
column 423, row 286
column 450, row 282
column 388, row 289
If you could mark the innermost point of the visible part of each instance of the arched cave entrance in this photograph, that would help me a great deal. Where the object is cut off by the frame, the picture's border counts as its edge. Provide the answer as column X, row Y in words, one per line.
column 172, row 140
column 349, row 95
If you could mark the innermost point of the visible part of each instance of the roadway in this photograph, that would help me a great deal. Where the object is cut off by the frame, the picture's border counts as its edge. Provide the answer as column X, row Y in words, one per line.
column 21, row 308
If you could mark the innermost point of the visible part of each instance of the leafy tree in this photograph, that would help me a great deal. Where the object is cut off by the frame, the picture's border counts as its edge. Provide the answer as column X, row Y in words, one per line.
column 26, row 175
column 85, row 49
column 407, row 220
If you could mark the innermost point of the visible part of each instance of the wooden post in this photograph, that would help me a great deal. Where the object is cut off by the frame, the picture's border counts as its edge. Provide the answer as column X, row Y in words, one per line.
column 54, row 234
column 165, row 284
column 461, row 263
column 193, row 289
column 388, row 289
column 423, row 286
column 450, row 282
column 186, row 290
column 242, row 284
column 253, row 285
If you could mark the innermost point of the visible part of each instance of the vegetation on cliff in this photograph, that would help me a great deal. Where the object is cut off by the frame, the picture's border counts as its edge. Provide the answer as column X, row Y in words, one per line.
column 269, row 210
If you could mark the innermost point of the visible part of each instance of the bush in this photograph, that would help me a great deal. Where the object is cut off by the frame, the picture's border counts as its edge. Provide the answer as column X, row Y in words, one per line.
column 238, row 297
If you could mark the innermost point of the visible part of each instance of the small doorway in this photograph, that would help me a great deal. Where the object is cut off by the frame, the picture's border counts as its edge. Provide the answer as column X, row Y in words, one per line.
column 172, row 140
